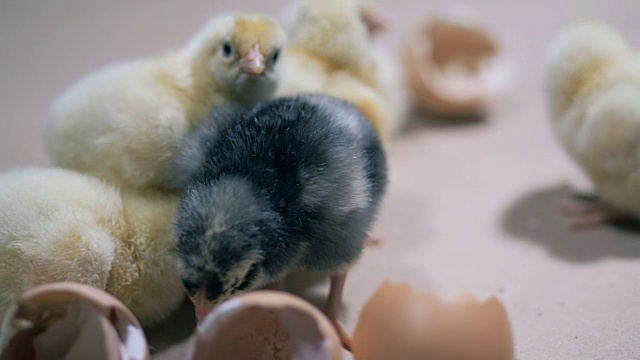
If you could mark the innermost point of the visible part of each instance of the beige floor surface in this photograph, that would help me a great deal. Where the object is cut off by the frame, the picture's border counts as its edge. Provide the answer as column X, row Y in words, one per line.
column 471, row 207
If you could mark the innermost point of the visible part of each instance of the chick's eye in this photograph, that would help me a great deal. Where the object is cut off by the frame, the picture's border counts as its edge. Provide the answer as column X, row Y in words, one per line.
column 226, row 49
column 275, row 56
column 248, row 280
column 214, row 289
column 190, row 287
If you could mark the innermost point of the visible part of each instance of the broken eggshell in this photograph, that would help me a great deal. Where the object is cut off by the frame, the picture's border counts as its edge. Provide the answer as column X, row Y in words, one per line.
column 71, row 321
column 265, row 325
column 454, row 66
column 400, row 323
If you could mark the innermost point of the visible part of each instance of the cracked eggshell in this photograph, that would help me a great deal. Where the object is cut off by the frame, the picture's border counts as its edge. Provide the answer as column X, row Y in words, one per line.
column 454, row 66
column 400, row 323
column 71, row 321
column 265, row 325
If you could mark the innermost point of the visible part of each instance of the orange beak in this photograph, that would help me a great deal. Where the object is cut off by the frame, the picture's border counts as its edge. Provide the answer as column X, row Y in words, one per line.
column 253, row 63
column 203, row 307
column 374, row 21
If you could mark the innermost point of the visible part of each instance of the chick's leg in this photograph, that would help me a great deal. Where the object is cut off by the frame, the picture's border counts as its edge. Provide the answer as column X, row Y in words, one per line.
column 332, row 309
column 589, row 215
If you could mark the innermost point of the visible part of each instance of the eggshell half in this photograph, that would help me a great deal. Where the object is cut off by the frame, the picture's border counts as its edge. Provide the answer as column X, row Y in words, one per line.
column 455, row 67
column 400, row 323
column 71, row 321
column 261, row 325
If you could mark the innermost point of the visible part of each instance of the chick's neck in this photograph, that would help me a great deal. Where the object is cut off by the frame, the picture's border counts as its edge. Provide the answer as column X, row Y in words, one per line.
column 195, row 86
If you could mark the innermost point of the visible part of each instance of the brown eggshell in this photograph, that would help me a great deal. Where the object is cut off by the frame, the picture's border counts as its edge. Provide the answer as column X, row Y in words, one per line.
column 71, row 321
column 261, row 325
column 400, row 323
column 455, row 67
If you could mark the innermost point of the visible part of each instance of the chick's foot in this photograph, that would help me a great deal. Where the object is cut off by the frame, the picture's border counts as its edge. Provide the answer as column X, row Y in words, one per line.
column 373, row 242
column 587, row 215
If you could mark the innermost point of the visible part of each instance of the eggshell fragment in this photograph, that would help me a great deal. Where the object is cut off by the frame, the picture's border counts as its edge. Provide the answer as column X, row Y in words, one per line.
column 454, row 66
column 71, row 321
column 400, row 323
column 265, row 325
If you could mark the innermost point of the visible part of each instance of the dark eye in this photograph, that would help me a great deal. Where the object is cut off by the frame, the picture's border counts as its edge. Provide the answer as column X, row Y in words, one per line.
column 191, row 287
column 275, row 56
column 251, row 274
column 226, row 49
column 214, row 289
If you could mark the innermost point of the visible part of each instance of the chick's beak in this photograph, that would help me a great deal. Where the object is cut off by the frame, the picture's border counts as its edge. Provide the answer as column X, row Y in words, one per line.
column 202, row 305
column 374, row 21
column 253, row 63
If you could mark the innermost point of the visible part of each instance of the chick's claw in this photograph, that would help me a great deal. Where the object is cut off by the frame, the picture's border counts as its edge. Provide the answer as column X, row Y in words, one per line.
column 345, row 339
column 586, row 216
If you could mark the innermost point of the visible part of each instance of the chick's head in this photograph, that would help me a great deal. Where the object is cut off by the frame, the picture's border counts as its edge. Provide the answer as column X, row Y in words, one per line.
column 242, row 54
column 337, row 30
column 220, row 232
column 304, row 14
column 579, row 52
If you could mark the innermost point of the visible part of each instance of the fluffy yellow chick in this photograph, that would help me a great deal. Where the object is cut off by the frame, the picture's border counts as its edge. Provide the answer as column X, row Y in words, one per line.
column 332, row 51
column 59, row 225
column 126, row 122
column 593, row 83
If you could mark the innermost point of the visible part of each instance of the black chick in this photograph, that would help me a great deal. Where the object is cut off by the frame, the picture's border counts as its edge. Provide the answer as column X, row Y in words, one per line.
column 294, row 184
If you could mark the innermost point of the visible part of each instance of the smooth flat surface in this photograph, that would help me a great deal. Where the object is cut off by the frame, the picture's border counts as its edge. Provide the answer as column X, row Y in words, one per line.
column 471, row 207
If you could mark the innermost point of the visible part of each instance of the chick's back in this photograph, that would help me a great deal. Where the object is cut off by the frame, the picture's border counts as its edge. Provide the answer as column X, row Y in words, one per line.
column 315, row 159
column 122, row 124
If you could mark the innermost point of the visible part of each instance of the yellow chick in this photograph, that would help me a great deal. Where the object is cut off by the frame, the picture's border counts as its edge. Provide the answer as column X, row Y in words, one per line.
column 332, row 51
column 125, row 123
column 593, row 84
column 60, row 225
